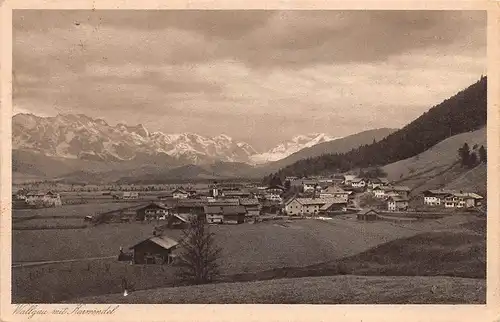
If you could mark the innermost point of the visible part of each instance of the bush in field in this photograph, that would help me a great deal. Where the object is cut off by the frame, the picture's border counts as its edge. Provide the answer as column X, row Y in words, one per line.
column 198, row 262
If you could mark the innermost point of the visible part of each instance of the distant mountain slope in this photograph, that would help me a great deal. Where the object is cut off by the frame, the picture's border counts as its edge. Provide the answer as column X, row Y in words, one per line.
column 81, row 137
column 439, row 166
column 340, row 145
column 466, row 111
column 285, row 149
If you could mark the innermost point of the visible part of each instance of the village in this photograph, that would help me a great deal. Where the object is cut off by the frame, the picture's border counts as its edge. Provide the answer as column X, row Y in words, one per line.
column 348, row 196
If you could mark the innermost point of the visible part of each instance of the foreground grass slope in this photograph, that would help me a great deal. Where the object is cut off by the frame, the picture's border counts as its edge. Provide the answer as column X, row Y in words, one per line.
column 315, row 290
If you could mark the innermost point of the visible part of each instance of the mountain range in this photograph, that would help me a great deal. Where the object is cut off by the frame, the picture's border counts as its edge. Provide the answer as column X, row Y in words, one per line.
column 75, row 146
column 81, row 137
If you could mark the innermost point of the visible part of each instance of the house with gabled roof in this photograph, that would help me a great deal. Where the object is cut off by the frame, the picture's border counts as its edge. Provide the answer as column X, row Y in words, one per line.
column 336, row 192
column 368, row 215
column 225, row 214
column 451, row 199
column 397, row 203
column 154, row 250
column 304, row 206
column 180, row 193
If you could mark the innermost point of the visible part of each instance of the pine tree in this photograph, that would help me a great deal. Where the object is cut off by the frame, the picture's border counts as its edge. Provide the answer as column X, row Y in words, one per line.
column 199, row 258
column 464, row 153
column 472, row 162
column 482, row 154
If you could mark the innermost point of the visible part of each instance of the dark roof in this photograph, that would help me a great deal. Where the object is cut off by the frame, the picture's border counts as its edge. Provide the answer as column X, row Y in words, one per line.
column 155, row 205
column 397, row 198
column 224, row 202
column 190, row 203
column 249, row 202
column 180, row 190
column 225, row 210
column 276, row 186
column 367, row 211
column 162, row 241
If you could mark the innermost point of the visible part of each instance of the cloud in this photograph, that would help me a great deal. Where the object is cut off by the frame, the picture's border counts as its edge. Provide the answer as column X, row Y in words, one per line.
column 262, row 76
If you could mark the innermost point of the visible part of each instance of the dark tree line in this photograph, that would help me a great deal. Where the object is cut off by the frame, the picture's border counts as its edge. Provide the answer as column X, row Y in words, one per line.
column 470, row 158
column 466, row 111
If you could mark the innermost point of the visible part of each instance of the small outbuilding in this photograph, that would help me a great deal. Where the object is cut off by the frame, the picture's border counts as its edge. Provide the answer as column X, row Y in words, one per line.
column 368, row 215
column 154, row 250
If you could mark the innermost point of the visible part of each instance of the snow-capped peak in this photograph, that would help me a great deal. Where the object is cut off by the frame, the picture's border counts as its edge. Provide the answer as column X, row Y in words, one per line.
column 296, row 144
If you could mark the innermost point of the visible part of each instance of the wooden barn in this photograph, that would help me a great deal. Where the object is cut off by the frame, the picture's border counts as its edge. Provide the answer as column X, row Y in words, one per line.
column 154, row 250
column 368, row 215
column 225, row 214
column 179, row 221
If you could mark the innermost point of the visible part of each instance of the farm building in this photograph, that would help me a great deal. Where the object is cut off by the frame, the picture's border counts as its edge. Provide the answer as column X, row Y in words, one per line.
column 336, row 192
column 224, row 202
column 235, row 194
column 189, row 206
column 274, row 193
column 179, row 221
column 401, row 191
column 451, row 199
column 154, row 250
column 397, row 203
column 180, row 194
column 225, row 214
column 368, row 215
column 153, row 211
column 333, row 205
column 348, row 178
column 388, row 191
column 305, row 184
column 358, row 183
column 127, row 195
column 271, row 207
column 48, row 199
column 252, row 206
column 304, row 206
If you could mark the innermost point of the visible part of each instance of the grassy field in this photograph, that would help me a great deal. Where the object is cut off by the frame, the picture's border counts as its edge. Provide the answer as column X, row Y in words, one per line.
column 81, row 210
column 50, row 223
column 98, row 241
column 246, row 247
column 312, row 247
column 316, row 290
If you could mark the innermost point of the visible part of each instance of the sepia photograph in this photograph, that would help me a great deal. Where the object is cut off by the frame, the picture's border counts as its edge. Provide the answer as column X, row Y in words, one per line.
column 249, row 157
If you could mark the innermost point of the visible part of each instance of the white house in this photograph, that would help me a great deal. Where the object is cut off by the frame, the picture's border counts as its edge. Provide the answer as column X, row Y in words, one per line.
column 348, row 178
column 304, row 206
column 451, row 199
column 397, row 203
column 379, row 192
column 358, row 183
column 49, row 199
column 130, row 195
column 180, row 194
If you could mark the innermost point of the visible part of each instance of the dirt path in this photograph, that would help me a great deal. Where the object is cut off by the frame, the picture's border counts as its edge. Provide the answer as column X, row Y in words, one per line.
column 27, row 264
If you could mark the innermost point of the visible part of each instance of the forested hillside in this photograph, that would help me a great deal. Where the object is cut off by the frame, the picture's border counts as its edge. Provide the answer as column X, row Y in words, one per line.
column 466, row 111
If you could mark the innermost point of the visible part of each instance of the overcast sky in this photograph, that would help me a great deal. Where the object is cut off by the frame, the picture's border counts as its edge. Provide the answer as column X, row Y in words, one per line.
column 257, row 76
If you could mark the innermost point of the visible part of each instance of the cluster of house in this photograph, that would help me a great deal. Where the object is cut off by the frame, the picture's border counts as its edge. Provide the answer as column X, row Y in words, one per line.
column 328, row 195
column 451, row 199
column 36, row 199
